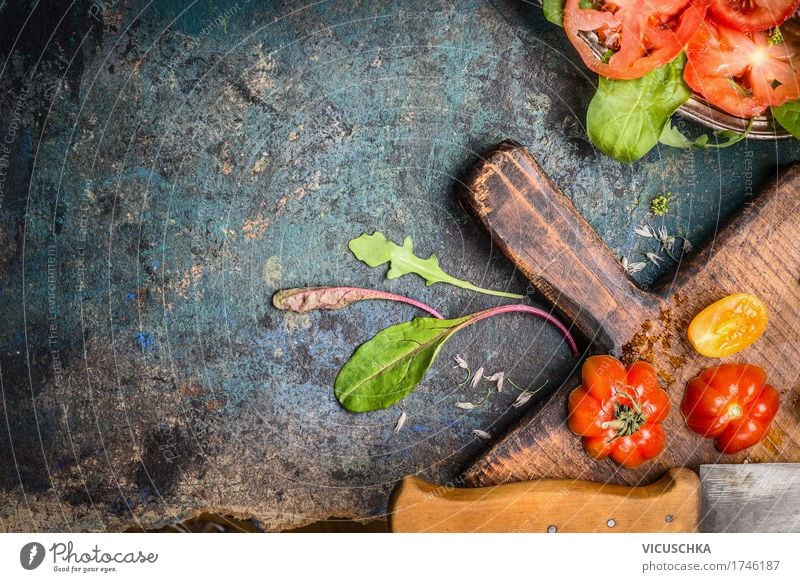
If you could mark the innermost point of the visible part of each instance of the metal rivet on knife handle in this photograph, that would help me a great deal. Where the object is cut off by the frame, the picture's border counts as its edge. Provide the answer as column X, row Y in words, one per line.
column 611, row 522
column 552, row 529
column 668, row 518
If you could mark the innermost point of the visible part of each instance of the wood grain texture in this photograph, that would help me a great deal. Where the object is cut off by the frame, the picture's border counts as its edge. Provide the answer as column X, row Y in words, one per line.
column 750, row 498
column 540, row 230
column 671, row 504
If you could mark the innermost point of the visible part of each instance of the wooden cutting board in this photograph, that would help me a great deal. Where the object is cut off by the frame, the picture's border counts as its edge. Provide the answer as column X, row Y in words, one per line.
column 542, row 233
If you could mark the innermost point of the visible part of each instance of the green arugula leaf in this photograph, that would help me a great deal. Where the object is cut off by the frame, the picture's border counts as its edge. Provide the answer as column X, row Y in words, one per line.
column 375, row 250
column 554, row 11
column 385, row 369
column 626, row 118
column 672, row 137
column 788, row 116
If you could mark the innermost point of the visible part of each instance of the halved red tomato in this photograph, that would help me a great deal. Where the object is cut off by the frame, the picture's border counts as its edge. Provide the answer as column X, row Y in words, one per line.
column 752, row 15
column 743, row 73
column 641, row 34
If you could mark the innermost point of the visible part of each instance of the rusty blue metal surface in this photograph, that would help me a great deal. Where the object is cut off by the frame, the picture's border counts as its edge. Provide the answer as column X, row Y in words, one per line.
column 171, row 164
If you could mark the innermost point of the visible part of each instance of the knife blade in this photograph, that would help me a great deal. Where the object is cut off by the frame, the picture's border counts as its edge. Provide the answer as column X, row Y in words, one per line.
column 756, row 497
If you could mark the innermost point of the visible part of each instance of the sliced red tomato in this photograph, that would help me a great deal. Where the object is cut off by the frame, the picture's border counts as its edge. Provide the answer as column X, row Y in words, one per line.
column 743, row 73
column 752, row 15
column 641, row 34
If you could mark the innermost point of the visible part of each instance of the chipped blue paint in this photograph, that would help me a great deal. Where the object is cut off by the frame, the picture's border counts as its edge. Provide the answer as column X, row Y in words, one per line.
column 146, row 341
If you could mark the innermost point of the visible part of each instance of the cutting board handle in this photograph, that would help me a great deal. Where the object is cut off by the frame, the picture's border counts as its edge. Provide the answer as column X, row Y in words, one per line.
column 544, row 235
column 671, row 504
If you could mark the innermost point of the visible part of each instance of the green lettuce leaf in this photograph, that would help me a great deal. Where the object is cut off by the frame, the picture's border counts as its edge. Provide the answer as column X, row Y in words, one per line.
column 625, row 119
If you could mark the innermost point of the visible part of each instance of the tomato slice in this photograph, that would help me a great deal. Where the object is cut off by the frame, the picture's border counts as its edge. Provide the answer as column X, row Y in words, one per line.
column 641, row 34
column 753, row 15
column 743, row 73
column 729, row 325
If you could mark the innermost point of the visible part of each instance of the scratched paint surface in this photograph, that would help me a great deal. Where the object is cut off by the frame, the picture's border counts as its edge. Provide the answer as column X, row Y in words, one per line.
column 170, row 165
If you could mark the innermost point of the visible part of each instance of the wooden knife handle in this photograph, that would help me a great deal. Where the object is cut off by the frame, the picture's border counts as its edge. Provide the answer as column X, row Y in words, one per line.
column 542, row 233
column 671, row 504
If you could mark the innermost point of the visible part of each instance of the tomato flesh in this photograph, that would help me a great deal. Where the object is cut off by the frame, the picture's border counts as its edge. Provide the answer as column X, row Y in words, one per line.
column 731, row 404
column 618, row 412
column 642, row 34
column 743, row 73
column 753, row 15
column 728, row 326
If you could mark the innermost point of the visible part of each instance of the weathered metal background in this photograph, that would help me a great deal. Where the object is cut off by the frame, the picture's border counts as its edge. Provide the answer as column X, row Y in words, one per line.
column 169, row 165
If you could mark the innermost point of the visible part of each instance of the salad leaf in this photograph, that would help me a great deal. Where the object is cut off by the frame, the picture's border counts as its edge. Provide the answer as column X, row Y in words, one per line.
column 625, row 119
column 788, row 115
column 385, row 369
column 672, row 137
column 554, row 11
column 375, row 250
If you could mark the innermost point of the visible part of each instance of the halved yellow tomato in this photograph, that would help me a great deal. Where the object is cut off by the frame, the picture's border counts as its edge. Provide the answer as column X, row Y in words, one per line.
column 729, row 325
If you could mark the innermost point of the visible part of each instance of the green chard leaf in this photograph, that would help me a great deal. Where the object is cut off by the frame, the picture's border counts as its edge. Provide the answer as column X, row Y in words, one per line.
column 554, row 11
column 385, row 369
column 672, row 137
column 788, row 116
column 388, row 367
column 625, row 119
column 375, row 250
